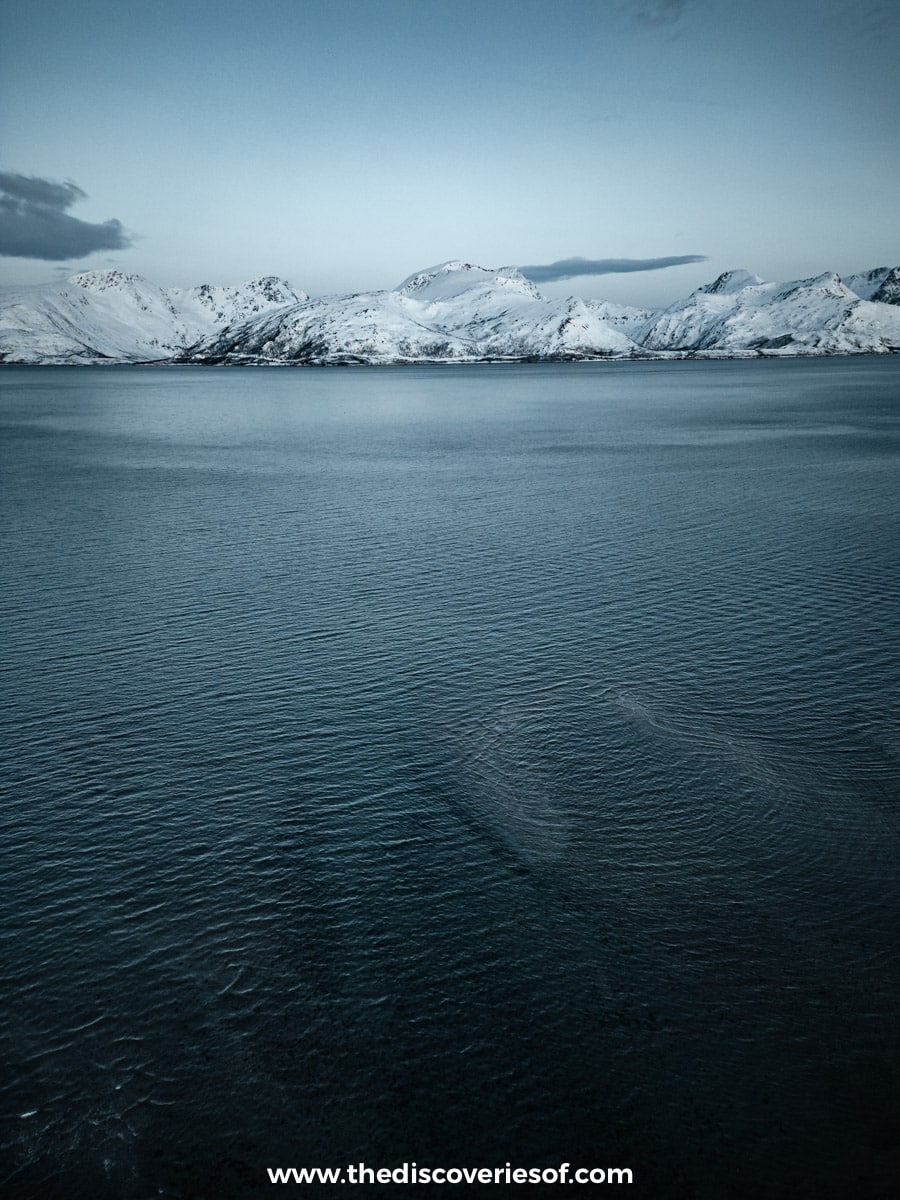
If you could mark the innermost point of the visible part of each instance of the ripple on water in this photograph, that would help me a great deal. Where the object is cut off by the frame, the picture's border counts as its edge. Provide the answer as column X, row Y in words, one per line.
column 448, row 766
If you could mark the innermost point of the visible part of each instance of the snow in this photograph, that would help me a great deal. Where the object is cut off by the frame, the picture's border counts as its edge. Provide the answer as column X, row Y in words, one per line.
column 882, row 283
column 808, row 316
column 453, row 279
column 867, row 283
column 453, row 312
column 731, row 281
column 100, row 316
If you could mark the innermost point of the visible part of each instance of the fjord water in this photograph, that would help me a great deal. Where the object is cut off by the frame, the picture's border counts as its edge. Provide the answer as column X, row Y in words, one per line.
column 459, row 765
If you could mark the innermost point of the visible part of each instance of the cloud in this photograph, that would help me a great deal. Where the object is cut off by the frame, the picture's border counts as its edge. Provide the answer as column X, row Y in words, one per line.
column 658, row 12
column 570, row 268
column 34, row 222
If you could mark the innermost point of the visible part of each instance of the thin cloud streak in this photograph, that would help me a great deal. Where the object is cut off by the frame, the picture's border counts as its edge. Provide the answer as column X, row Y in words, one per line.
column 571, row 268
column 659, row 12
column 34, row 222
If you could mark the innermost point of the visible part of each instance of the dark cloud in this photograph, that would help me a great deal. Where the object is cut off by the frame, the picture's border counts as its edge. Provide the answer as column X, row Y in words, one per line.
column 570, row 268
column 34, row 222
column 40, row 191
column 658, row 12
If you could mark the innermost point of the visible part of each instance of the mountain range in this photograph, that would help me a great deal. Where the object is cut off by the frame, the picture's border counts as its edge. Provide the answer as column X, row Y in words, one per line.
column 454, row 312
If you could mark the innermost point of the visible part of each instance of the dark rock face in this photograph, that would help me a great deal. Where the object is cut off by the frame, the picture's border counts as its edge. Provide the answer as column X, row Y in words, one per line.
column 889, row 292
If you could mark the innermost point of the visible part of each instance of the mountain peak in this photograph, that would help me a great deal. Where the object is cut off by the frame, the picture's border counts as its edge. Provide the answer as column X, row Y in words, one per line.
column 889, row 289
column 880, row 283
column 103, row 281
column 222, row 303
column 450, row 279
column 274, row 289
column 731, row 281
column 829, row 283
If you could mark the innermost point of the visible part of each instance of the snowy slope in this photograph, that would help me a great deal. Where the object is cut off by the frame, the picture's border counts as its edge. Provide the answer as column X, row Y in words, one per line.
column 102, row 316
column 622, row 317
column 889, row 289
column 209, row 307
column 451, row 280
column 738, row 314
column 96, row 316
column 369, row 327
column 505, row 316
column 453, row 312
column 882, row 283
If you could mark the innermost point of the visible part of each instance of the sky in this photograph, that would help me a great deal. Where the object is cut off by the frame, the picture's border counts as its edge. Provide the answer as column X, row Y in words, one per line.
column 345, row 144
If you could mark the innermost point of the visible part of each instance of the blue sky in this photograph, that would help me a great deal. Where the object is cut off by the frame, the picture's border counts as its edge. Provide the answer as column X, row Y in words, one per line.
column 344, row 145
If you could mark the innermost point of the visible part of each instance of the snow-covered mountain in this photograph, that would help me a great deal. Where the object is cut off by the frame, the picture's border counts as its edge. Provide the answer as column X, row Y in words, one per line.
column 883, row 283
column 739, row 314
column 103, row 316
column 454, row 312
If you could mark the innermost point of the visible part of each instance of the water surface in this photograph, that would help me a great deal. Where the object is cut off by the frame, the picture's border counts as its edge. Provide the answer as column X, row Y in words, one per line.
column 461, row 765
